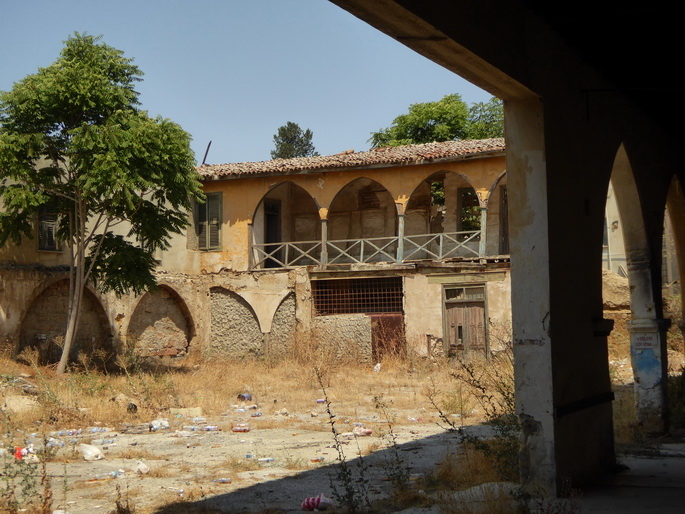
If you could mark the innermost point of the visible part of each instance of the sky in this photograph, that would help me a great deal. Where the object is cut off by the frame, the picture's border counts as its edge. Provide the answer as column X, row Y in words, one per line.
column 233, row 71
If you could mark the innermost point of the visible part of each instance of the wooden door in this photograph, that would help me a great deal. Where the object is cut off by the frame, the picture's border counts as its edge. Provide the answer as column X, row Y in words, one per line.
column 465, row 328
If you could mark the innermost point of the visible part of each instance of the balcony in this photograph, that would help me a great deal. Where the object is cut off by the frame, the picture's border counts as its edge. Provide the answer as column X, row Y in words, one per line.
column 446, row 245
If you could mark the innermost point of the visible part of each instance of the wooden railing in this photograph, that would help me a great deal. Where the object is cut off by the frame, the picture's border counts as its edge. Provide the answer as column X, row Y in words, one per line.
column 368, row 250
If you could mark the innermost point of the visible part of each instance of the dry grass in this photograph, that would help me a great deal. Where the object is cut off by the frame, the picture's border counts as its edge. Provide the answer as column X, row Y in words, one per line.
column 85, row 397
column 465, row 469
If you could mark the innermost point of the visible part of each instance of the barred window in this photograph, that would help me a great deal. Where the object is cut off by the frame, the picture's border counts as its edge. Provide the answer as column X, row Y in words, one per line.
column 47, row 228
column 357, row 296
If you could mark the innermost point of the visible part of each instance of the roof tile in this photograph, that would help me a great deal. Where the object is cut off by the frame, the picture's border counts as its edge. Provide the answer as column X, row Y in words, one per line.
column 386, row 156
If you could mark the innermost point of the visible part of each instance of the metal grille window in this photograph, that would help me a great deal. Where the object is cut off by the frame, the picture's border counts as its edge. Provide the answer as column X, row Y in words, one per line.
column 357, row 296
column 209, row 223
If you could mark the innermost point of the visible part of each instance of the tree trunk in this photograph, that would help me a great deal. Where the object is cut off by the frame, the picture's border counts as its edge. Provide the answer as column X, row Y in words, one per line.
column 76, row 287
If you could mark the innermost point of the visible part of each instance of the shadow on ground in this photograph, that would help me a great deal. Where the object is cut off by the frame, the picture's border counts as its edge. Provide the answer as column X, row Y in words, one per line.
column 370, row 480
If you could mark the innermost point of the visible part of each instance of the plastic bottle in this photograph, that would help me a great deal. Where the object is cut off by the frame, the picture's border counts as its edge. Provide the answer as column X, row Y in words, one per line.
column 222, row 481
column 240, row 427
column 199, row 419
column 266, row 459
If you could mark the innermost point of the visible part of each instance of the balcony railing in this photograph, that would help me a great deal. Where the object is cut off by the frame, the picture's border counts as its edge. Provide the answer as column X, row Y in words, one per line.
column 369, row 250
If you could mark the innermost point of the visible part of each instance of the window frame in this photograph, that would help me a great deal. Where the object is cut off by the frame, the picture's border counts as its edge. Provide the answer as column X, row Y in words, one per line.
column 46, row 228
column 208, row 215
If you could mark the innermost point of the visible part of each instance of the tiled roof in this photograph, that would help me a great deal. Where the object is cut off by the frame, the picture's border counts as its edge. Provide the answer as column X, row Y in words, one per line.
column 388, row 156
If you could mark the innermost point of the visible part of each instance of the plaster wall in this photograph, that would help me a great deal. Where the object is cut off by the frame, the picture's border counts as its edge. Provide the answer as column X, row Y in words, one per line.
column 423, row 312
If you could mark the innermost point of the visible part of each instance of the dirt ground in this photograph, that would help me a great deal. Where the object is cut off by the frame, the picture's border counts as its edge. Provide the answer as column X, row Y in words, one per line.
column 283, row 459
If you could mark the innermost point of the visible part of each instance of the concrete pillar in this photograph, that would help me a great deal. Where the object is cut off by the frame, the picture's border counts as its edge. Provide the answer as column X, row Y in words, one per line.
column 530, row 300
column 647, row 348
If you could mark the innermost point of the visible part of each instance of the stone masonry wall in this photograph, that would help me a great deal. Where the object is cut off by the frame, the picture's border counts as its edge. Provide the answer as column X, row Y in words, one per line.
column 346, row 336
column 45, row 321
column 234, row 330
column 158, row 326
column 280, row 339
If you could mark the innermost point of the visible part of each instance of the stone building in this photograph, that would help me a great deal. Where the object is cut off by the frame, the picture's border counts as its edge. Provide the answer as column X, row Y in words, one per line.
column 391, row 250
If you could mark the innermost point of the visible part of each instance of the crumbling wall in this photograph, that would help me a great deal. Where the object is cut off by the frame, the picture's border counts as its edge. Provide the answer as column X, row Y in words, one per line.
column 158, row 325
column 45, row 322
column 280, row 339
column 499, row 313
column 234, row 330
column 344, row 336
column 422, row 313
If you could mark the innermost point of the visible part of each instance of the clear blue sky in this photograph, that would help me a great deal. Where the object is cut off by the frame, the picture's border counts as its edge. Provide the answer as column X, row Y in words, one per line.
column 233, row 71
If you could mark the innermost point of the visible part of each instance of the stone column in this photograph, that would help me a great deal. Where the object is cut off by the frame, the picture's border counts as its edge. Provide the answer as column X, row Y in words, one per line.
column 400, row 237
column 482, row 248
column 250, row 242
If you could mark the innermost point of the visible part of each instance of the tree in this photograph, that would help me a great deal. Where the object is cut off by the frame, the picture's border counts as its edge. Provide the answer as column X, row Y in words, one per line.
column 72, row 136
column 291, row 142
column 445, row 120
column 486, row 120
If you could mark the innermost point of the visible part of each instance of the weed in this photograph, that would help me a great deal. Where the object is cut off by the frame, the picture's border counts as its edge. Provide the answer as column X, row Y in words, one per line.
column 354, row 496
column 122, row 505
column 397, row 471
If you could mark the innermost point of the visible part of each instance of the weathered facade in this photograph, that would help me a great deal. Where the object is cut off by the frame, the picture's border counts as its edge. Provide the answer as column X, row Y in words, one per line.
column 391, row 250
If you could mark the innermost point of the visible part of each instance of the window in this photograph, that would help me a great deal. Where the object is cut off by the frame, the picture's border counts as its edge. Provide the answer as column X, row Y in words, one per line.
column 468, row 209
column 357, row 296
column 47, row 228
column 208, row 222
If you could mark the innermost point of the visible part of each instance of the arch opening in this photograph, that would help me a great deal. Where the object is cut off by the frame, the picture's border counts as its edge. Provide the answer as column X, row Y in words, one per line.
column 286, row 228
column 42, row 329
column 626, row 252
column 362, row 224
column 161, row 325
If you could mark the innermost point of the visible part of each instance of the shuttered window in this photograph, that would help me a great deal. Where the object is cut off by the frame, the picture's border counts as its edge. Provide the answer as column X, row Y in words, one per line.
column 208, row 226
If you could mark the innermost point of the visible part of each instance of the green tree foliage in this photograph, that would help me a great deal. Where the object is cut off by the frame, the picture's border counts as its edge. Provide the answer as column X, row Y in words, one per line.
column 72, row 136
column 486, row 120
column 445, row 120
column 291, row 141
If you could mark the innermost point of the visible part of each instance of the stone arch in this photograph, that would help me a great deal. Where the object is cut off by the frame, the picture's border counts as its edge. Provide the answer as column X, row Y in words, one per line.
column 286, row 213
column 362, row 210
column 161, row 325
column 647, row 333
column 279, row 340
column 44, row 324
column 434, row 198
column 234, row 328
column 443, row 203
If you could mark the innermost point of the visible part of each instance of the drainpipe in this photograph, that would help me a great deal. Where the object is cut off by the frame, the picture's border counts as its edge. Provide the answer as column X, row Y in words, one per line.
column 400, row 237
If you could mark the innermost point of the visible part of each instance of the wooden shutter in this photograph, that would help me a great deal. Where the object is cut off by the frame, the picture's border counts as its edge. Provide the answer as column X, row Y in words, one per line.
column 209, row 222
column 214, row 221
